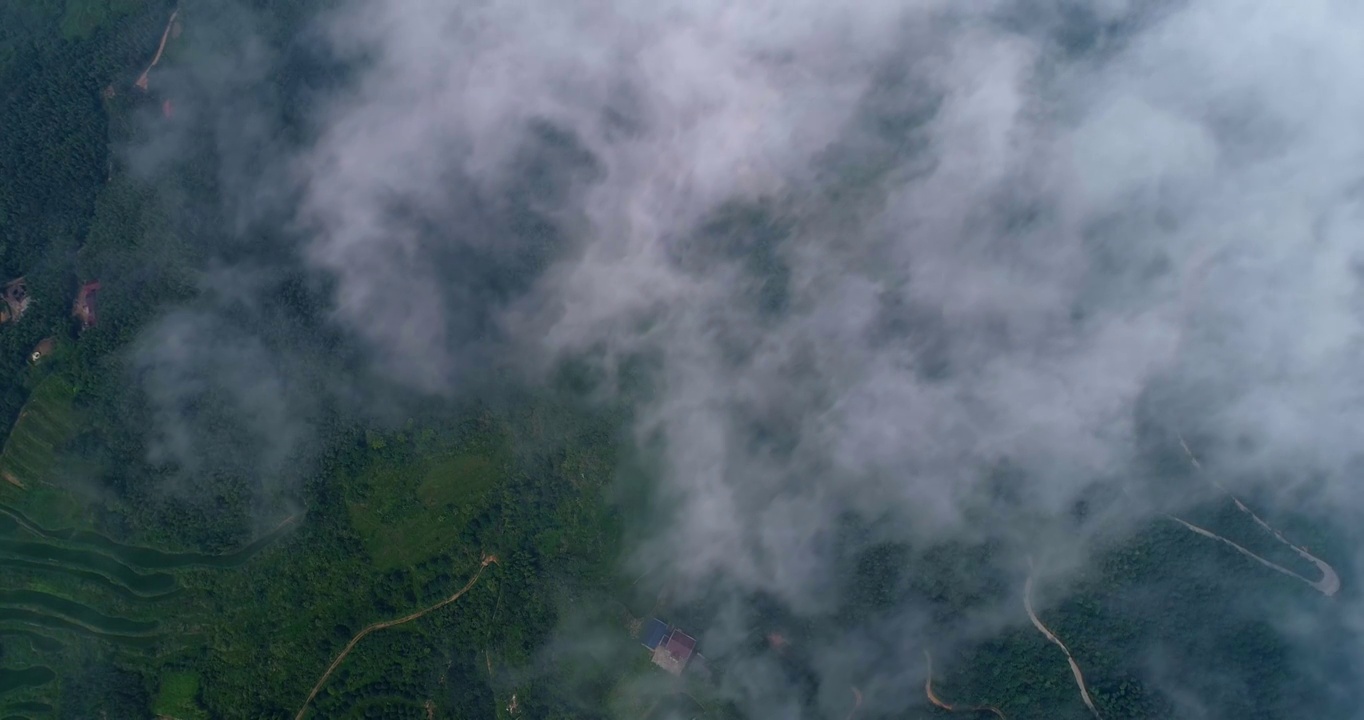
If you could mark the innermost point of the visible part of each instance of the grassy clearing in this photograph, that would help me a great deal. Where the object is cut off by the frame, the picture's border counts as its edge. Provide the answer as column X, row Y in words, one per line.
column 178, row 696
column 83, row 17
column 440, row 495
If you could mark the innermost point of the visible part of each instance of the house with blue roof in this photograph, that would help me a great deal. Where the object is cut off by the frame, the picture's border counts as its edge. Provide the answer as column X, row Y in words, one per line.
column 654, row 632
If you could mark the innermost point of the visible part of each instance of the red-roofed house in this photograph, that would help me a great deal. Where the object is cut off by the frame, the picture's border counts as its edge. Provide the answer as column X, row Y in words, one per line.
column 672, row 654
column 84, row 307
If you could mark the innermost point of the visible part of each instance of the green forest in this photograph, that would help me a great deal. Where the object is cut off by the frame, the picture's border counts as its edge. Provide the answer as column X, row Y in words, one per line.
column 142, row 582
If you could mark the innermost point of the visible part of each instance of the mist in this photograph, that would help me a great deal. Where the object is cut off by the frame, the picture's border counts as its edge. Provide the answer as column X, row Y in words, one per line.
column 913, row 274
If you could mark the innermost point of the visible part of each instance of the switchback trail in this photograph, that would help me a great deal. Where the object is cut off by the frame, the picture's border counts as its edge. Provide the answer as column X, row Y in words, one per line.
column 938, row 702
column 388, row 624
column 1192, row 286
column 1329, row 583
column 1074, row 667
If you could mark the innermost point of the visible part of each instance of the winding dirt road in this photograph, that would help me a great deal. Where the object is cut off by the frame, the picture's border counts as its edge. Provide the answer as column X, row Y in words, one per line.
column 142, row 79
column 938, row 702
column 1328, row 585
column 487, row 560
column 857, row 702
column 1191, row 288
column 1074, row 667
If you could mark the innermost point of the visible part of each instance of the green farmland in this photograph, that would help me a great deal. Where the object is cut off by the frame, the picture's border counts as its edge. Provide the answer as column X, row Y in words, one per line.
column 410, row 509
column 45, row 424
column 419, row 509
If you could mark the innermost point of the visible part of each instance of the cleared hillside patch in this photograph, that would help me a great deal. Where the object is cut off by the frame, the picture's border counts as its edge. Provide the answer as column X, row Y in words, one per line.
column 178, row 696
column 443, row 493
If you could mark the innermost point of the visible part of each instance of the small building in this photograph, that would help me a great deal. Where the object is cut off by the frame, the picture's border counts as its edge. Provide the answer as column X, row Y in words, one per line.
column 653, row 633
column 84, row 307
column 43, row 349
column 15, row 296
column 672, row 654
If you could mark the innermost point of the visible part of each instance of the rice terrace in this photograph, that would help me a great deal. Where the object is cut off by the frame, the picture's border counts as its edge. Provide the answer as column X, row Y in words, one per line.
column 681, row 360
column 78, row 585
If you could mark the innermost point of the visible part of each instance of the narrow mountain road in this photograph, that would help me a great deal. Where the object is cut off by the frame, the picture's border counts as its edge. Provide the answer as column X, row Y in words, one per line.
column 388, row 624
column 1195, row 274
column 857, row 702
column 1328, row 585
column 938, row 702
column 1074, row 666
column 142, row 79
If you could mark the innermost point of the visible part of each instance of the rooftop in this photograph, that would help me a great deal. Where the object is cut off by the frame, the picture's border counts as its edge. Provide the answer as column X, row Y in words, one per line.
column 654, row 632
column 14, row 295
column 84, row 307
column 43, row 349
column 673, row 654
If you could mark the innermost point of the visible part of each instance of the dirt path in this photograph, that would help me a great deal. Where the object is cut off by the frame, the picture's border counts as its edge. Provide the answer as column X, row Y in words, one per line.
column 388, row 624
column 1074, row 667
column 1195, row 275
column 938, row 702
column 1269, row 564
column 284, row 522
column 857, row 703
column 142, row 79
column 1328, row 585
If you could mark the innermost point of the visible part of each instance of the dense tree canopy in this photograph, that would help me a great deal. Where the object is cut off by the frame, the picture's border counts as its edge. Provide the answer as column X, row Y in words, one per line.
column 209, row 491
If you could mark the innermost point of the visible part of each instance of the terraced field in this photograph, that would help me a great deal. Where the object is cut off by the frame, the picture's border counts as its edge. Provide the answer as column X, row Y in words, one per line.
column 29, row 459
column 41, row 617
column 125, row 593
column 68, row 590
column 44, row 424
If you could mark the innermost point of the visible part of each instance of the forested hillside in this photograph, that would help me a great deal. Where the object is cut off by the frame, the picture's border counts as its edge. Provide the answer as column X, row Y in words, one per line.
column 222, row 496
column 141, row 583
